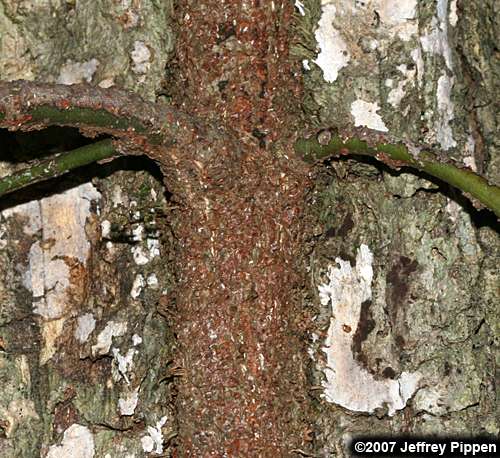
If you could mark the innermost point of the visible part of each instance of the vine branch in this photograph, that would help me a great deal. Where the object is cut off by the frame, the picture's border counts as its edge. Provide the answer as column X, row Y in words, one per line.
column 57, row 165
column 139, row 127
column 397, row 156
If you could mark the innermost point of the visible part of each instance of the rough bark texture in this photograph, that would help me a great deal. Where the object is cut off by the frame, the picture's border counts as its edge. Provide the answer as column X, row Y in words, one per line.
column 88, row 309
column 429, row 67
column 78, row 376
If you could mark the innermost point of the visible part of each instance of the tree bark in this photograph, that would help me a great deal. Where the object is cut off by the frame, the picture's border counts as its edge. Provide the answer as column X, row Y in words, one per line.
column 111, row 349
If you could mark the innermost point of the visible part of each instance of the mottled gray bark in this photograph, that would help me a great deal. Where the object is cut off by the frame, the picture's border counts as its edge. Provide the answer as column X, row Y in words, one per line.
column 86, row 359
column 87, row 355
column 413, row 344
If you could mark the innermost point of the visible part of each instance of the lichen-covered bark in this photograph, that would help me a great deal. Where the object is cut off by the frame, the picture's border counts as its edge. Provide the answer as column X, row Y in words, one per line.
column 419, row 70
column 94, row 372
column 104, row 42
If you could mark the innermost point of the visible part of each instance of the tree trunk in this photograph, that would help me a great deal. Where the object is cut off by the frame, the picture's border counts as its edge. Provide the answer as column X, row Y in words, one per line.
column 137, row 322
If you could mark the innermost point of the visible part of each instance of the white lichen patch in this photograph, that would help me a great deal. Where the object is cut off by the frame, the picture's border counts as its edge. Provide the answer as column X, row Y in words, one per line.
column 136, row 340
column 61, row 220
column 105, row 337
column 397, row 17
column 454, row 210
column 153, row 245
column 31, row 212
column 435, row 41
column 50, row 331
column 131, row 19
column 143, row 254
column 77, row 72
column 416, row 56
column 333, row 54
column 153, row 441
column 128, row 403
column 85, row 325
column 346, row 382
column 118, row 197
column 140, row 255
column 432, row 400
column 152, row 281
column 105, row 229
column 300, row 7
column 397, row 93
column 469, row 159
column 107, row 83
column 453, row 16
column 445, row 114
column 19, row 411
column 137, row 286
column 138, row 232
column 124, row 364
column 63, row 246
column 141, row 56
column 78, row 442
column 149, row 249
column 365, row 114
column 16, row 60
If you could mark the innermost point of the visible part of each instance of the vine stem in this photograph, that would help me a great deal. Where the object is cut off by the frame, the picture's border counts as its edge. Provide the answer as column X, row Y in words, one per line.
column 145, row 128
column 57, row 165
column 397, row 156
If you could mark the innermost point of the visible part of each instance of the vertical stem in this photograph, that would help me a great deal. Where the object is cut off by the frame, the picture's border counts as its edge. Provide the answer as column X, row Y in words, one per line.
column 243, row 393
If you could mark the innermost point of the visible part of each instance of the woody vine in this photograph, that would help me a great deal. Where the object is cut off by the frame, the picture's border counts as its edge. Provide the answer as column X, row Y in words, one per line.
column 80, row 107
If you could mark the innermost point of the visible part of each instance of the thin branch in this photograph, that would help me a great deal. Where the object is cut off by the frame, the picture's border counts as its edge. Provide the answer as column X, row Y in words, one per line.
column 397, row 156
column 173, row 139
column 25, row 105
column 57, row 166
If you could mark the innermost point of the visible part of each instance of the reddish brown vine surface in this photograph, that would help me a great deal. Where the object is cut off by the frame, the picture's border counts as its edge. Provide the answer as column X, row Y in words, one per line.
column 243, row 393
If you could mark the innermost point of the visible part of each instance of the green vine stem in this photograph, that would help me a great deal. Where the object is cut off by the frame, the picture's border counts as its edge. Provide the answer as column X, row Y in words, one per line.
column 57, row 165
column 397, row 156
column 140, row 127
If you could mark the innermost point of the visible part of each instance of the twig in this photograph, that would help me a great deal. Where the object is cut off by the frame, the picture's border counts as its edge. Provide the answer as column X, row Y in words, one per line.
column 397, row 156
column 57, row 166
